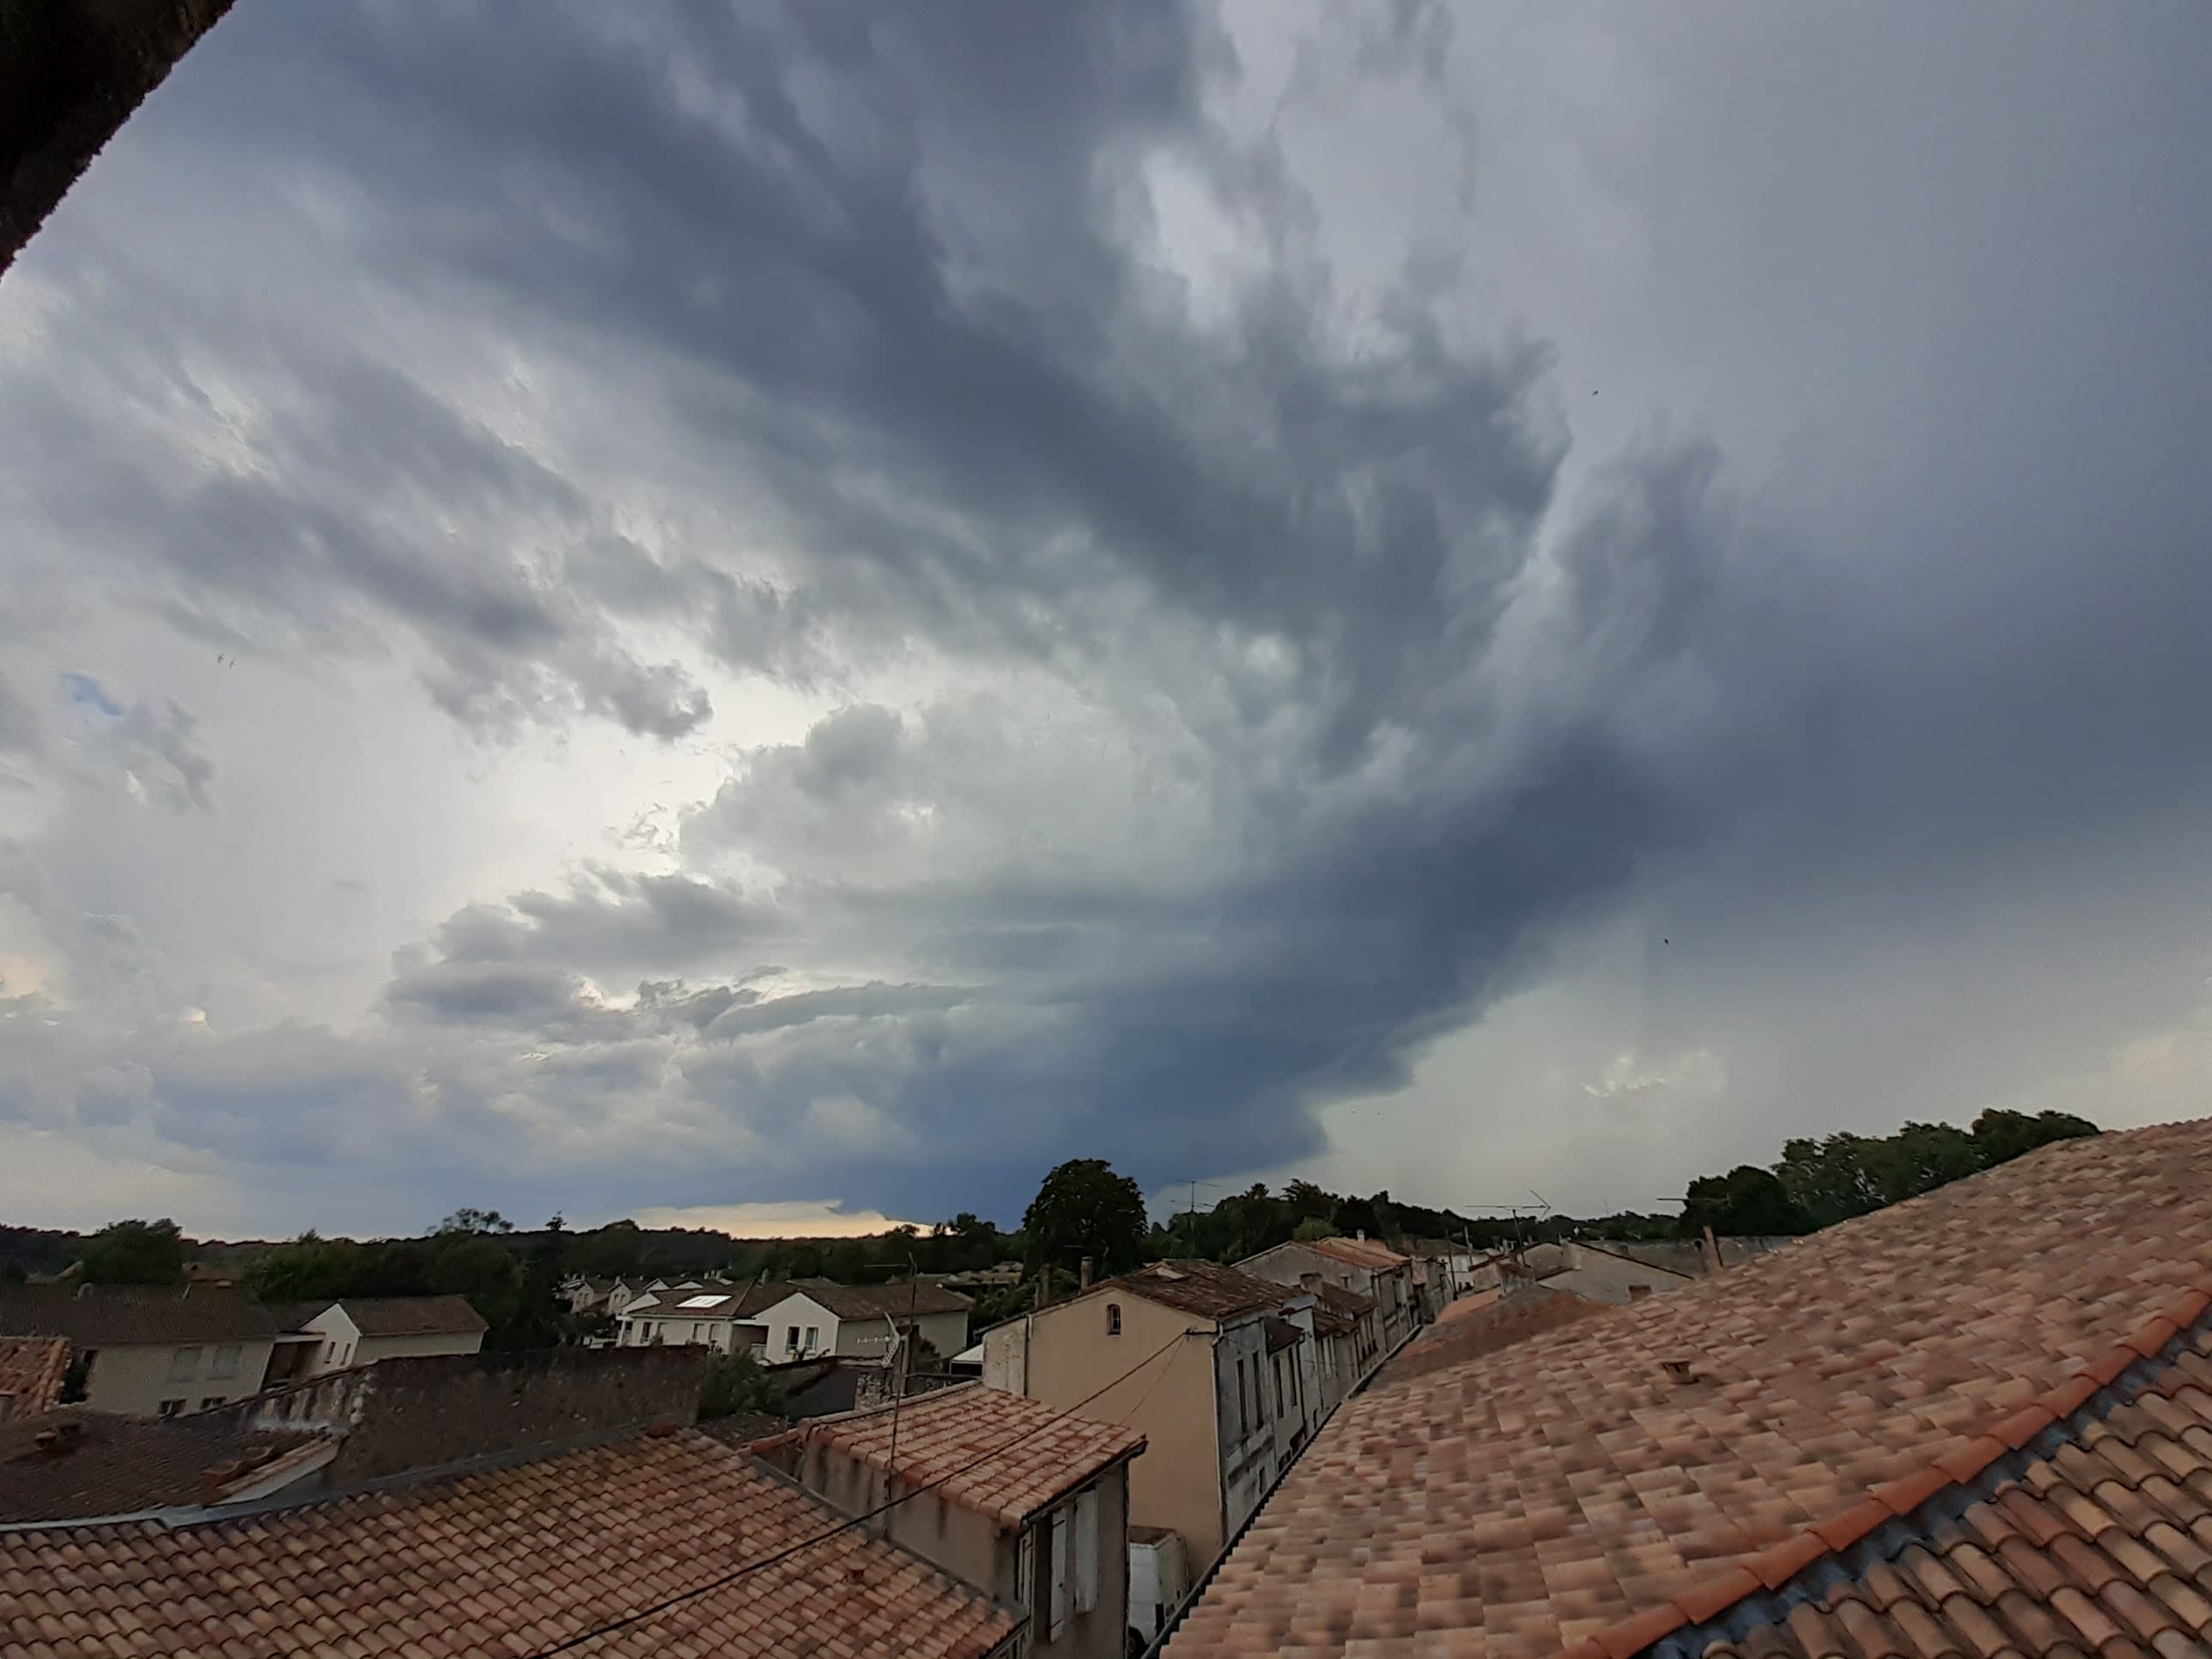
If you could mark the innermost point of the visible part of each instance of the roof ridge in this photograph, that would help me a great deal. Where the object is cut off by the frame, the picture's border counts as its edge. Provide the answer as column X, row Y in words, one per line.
column 1969, row 1459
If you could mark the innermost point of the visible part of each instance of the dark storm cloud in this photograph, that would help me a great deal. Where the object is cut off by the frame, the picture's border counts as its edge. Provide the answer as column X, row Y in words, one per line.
column 1318, row 707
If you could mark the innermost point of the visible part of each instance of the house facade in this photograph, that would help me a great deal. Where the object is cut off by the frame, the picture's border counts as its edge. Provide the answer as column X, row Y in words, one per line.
column 1184, row 1346
column 1353, row 1264
column 151, row 1352
column 717, row 1316
column 1044, row 1529
column 864, row 1322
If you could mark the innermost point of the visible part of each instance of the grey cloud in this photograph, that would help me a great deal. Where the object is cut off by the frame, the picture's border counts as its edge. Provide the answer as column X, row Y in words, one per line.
column 1301, row 693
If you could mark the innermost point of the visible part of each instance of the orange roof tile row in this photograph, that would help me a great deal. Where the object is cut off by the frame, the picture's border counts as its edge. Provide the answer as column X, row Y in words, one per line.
column 508, row 1561
column 2098, row 1539
column 1528, row 1499
column 1361, row 1252
column 1032, row 1454
column 1494, row 1325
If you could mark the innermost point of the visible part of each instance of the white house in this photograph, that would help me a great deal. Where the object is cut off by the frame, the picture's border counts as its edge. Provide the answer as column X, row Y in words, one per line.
column 714, row 1317
column 360, row 1330
column 857, row 1322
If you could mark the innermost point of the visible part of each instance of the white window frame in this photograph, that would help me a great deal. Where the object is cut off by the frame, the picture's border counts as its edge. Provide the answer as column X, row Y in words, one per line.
column 184, row 1364
column 226, row 1360
column 1057, row 1619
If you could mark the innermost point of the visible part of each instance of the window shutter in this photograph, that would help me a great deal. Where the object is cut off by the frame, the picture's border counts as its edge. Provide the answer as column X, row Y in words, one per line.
column 1086, row 1551
column 1025, row 1570
column 1058, row 1622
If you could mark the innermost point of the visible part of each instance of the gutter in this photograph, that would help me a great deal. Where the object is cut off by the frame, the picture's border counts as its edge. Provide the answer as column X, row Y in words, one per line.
column 1174, row 1621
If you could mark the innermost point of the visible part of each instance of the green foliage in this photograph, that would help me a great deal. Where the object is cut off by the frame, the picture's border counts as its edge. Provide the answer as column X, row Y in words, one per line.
column 1819, row 1182
column 1746, row 1199
column 1083, row 1209
column 735, row 1383
column 1312, row 1228
column 134, row 1253
column 466, row 1220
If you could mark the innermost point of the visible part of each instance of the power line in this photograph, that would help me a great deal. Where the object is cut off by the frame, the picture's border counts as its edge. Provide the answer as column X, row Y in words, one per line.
column 744, row 1569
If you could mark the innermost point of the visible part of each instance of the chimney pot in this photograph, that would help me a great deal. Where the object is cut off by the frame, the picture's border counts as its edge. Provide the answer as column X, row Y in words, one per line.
column 1087, row 1272
column 1360, row 1233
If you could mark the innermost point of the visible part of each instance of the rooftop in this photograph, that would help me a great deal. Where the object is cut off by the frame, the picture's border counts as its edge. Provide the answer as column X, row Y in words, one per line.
column 1530, row 1499
column 1349, row 1304
column 1367, row 1252
column 104, row 1316
column 1047, row 1453
column 508, row 1560
column 31, row 1372
column 1203, row 1288
column 881, row 1301
column 2089, row 1538
column 413, row 1315
column 74, row 1462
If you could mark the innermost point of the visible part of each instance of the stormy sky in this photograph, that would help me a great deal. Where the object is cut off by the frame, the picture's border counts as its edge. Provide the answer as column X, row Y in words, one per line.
column 787, row 611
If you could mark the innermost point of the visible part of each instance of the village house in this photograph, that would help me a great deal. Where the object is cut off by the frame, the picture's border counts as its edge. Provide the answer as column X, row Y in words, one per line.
column 864, row 1322
column 1976, row 1423
column 1177, row 1350
column 147, row 1351
column 1353, row 1264
column 1043, row 1528
column 453, row 1497
column 362, row 1330
column 722, row 1317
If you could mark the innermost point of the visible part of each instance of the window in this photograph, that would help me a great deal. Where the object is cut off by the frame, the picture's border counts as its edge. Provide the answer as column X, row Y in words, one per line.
column 1113, row 1318
column 698, row 1330
column 170, row 1407
column 212, row 1402
column 1086, row 1551
column 790, row 1338
column 1243, row 1418
column 184, row 1365
column 225, row 1361
column 813, row 1338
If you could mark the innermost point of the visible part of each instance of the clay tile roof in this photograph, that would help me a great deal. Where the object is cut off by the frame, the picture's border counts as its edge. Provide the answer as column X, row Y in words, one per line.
column 1360, row 1253
column 507, row 1561
column 104, row 1316
column 1203, row 1288
column 879, row 1301
column 413, row 1315
column 1047, row 1453
column 1349, row 1303
column 1492, row 1324
column 31, row 1372
column 112, row 1465
column 1592, row 1486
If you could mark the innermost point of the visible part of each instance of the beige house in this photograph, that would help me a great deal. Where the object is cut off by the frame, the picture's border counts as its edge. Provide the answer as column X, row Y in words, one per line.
column 1180, row 1351
column 1042, row 1528
column 151, row 1352
column 362, row 1330
column 864, row 1322
column 724, row 1317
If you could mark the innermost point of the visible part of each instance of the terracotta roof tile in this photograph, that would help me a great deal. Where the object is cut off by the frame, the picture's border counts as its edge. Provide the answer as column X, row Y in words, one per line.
column 1047, row 1453
column 1785, row 1390
column 507, row 1561
column 1203, row 1288
column 32, row 1368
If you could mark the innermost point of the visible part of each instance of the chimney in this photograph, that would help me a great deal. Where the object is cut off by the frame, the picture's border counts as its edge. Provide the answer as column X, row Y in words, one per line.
column 1712, row 1249
column 1085, row 1281
column 1360, row 1233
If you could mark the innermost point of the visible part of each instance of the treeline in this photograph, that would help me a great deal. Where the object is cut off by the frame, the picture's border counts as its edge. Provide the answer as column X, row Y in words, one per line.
column 1819, row 1182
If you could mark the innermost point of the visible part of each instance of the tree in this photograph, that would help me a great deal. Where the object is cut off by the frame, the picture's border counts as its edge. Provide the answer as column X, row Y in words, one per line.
column 1083, row 1208
column 135, row 1253
column 1312, row 1228
column 735, row 1383
column 308, row 1268
column 467, row 1220
column 2002, row 1136
column 1746, row 1199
